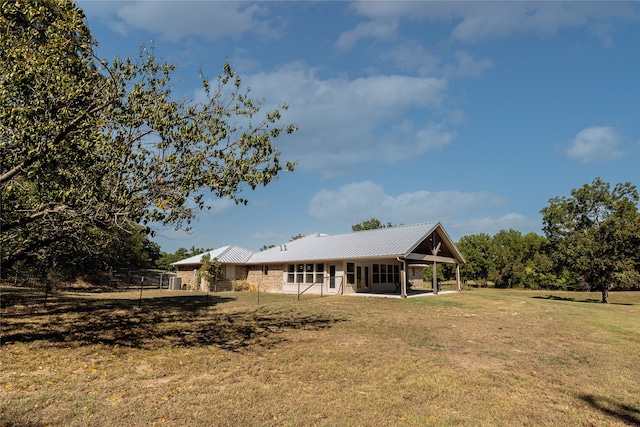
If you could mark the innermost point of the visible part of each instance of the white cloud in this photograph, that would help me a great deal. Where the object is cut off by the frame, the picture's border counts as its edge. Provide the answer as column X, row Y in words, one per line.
column 468, row 66
column 409, row 55
column 491, row 226
column 218, row 206
column 355, row 201
column 269, row 235
column 596, row 143
column 175, row 20
column 343, row 122
column 481, row 21
column 378, row 29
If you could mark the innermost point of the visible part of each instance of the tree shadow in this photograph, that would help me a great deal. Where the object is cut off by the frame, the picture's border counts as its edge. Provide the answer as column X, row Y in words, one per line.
column 625, row 413
column 587, row 300
column 178, row 321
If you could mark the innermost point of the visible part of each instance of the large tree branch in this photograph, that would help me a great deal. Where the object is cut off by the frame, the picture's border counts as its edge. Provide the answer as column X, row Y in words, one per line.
column 73, row 124
column 33, row 217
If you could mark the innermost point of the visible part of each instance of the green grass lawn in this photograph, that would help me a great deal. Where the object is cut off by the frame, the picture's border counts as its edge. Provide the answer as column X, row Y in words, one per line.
column 479, row 357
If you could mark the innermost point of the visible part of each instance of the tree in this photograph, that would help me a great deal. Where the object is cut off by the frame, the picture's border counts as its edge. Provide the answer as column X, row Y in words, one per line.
column 165, row 260
column 517, row 260
column 595, row 235
column 371, row 224
column 90, row 148
column 476, row 249
column 210, row 271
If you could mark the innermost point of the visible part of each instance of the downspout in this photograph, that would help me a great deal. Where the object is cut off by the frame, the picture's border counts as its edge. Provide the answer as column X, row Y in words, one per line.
column 403, row 280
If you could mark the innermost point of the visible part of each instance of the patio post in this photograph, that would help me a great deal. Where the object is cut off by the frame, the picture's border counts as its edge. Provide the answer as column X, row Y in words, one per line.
column 403, row 279
column 434, row 279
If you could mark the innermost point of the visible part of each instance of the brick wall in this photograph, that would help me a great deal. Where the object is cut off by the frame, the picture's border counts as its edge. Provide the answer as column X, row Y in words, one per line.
column 270, row 282
column 188, row 278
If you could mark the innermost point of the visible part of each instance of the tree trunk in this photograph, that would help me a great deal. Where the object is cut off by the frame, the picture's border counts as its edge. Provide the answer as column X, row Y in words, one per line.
column 605, row 296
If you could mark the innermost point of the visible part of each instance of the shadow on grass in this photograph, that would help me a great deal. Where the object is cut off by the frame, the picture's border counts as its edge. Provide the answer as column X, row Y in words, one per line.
column 179, row 321
column 9, row 423
column 625, row 413
column 588, row 300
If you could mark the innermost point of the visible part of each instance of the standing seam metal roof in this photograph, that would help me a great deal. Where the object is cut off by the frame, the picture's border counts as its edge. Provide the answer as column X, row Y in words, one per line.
column 225, row 254
column 382, row 242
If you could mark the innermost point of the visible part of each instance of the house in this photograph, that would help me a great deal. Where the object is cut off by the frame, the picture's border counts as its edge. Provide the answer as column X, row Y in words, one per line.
column 232, row 258
column 383, row 260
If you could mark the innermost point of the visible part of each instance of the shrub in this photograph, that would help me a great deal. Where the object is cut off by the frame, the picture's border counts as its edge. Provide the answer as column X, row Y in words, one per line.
column 240, row 286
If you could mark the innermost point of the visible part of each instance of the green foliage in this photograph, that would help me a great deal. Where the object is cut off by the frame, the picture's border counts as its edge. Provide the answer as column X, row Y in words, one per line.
column 240, row 286
column 476, row 249
column 427, row 273
column 371, row 224
column 513, row 259
column 165, row 259
column 210, row 270
column 595, row 235
column 92, row 148
column 510, row 260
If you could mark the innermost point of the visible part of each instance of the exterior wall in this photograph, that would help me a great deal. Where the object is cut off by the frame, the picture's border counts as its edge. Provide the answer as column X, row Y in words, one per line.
column 218, row 286
column 188, row 276
column 270, row 282
column 416, row 278
column 321, row 287
column 241, row 272
column 276, row 278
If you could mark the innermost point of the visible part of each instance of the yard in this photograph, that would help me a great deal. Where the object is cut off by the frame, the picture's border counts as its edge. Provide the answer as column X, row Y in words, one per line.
column 479, row 357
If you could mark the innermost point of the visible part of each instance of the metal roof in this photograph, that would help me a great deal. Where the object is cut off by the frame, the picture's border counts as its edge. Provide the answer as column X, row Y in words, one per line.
column 225, row 254
column 388, row 242
column 383, row 242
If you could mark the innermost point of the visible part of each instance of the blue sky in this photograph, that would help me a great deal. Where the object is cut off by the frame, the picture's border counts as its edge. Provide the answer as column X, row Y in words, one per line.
column 473, row 114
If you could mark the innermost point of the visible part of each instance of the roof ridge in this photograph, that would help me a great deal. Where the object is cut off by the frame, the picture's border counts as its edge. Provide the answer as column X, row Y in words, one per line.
column 382, row 228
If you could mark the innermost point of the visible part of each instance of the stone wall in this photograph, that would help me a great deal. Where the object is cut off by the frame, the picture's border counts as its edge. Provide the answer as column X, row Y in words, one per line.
column 188, row 278
column 270, row 282
column 415, row 277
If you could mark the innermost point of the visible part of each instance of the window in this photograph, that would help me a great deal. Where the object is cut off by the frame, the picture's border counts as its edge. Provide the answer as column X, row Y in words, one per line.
column 332, row 276
column 291, row 276
column 309, row 275
column 351, row 277
column 305, row 273
column 265, row 270
column 386, row 273
column 319, row 273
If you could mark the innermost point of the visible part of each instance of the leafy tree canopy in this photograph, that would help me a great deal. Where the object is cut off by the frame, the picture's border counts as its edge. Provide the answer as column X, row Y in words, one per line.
column 370, row 224
column 91, row 148
column 595, row 235
column 165, row 259
column 210, row 271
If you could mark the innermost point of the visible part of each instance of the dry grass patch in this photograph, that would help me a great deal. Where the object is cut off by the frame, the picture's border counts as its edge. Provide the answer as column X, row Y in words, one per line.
column 480, row 357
